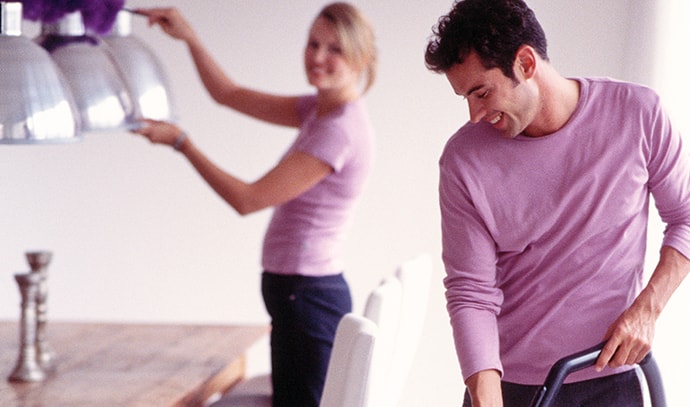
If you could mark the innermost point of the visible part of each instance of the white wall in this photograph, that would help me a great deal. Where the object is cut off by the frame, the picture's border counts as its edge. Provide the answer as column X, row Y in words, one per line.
column 138, row 237
column 672, row 62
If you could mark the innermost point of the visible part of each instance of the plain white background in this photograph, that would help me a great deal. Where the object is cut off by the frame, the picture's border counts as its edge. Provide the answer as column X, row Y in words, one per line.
column 137, row 236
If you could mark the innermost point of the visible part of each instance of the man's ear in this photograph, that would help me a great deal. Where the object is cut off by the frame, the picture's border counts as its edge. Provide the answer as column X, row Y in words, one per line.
column 525, row 62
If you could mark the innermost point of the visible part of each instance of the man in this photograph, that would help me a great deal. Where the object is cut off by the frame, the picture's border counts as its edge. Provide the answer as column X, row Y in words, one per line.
column 544, row 199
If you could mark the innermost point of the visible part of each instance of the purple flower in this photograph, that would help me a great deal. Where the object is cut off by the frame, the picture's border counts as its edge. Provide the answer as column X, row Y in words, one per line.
column 98, row 15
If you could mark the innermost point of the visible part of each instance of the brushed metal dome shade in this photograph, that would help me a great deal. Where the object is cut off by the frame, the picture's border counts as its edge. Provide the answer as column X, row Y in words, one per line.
column 141, row 70
column 36, row 105
column 100, row 93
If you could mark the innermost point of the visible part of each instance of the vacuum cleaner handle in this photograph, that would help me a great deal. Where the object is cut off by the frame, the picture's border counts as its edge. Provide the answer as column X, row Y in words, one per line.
column 586, row 358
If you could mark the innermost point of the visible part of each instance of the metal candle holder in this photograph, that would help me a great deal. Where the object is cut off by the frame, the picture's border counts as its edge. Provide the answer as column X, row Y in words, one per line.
column 27, row 368
column 38, row 261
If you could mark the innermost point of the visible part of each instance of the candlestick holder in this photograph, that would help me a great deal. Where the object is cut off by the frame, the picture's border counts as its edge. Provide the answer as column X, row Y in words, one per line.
column 39, row 261
column 27, row 368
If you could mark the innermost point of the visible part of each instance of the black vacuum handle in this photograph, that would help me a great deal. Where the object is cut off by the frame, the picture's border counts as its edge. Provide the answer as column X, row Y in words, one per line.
column 586, row 358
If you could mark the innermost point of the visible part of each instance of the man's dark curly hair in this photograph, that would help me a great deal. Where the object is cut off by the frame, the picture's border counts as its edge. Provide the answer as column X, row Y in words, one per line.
column 495, row 29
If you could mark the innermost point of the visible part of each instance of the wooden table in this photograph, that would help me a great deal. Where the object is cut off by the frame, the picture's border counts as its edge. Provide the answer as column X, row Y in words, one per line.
column 99, row 364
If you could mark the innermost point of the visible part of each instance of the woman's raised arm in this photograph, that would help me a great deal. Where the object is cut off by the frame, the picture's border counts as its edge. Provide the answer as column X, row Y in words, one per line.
column 276, row 109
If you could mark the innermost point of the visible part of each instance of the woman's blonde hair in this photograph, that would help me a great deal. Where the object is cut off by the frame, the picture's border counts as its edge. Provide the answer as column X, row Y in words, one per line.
column 356, row 35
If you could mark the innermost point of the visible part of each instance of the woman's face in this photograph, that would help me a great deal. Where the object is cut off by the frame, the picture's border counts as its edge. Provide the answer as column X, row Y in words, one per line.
column 324, row 61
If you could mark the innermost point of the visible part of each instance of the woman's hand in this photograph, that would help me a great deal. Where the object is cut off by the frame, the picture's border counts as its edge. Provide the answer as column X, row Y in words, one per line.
column 170, row 20
column 159, row 132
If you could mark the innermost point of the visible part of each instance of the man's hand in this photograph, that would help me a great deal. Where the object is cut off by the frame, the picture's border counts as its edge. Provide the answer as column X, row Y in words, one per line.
column 630, row 337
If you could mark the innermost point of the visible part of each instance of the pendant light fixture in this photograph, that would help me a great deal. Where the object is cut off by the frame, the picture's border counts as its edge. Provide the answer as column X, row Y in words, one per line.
column 141, row 70
column 36, row 105
column 100, row 94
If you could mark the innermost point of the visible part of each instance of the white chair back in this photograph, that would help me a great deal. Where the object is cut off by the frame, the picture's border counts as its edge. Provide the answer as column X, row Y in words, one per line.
column 383, row 307
column 347, row 378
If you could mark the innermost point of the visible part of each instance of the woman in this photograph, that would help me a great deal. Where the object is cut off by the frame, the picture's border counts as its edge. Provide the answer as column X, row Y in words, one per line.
column 313, row 187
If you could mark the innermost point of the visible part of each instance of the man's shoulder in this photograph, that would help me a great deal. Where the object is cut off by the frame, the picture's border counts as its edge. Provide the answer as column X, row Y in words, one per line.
column 600, row 86
column 616, row 96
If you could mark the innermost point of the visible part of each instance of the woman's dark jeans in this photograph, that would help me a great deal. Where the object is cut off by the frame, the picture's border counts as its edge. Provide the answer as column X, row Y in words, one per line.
column 305, row 312
column 620, row 390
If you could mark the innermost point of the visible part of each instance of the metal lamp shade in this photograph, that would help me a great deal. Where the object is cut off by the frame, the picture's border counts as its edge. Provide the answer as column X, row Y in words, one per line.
column 101, row 96
column 36, row 105
column 141, row 70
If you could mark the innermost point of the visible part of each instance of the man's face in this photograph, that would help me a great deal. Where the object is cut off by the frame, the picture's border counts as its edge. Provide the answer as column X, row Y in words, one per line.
column 510, row 106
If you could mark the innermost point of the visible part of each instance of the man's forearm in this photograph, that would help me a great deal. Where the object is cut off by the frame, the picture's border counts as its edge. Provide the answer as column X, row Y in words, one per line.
column 485, row 389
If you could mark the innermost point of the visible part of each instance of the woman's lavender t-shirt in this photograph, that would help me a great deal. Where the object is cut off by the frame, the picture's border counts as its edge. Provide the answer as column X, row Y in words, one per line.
column 306, row 235
column 544, row 238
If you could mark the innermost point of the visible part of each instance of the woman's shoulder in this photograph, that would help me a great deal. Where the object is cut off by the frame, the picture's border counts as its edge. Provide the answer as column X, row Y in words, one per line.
column 306, row 104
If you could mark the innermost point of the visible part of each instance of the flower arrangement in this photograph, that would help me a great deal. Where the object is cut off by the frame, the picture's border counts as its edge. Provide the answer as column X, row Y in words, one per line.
column 98, row 15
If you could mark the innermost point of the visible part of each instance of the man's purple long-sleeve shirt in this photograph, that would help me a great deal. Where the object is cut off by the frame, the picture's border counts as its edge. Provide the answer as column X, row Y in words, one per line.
column 544, row 238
